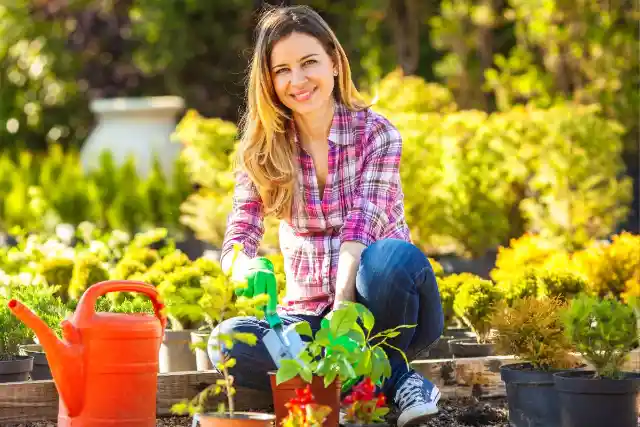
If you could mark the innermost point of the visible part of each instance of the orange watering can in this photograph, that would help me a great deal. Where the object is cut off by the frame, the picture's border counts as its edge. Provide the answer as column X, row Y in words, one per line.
column 106, row 366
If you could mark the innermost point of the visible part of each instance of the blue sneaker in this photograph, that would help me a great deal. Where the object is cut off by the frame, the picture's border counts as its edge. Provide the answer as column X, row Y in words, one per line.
column 417, row 400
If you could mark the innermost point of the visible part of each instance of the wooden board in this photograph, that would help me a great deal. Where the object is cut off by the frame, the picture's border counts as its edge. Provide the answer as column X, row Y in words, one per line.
column 472, row 376
column 38, row 400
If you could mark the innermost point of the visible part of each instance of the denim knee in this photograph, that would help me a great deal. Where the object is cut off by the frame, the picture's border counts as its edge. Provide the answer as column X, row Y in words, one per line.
column 395, row 261
column 245, row 324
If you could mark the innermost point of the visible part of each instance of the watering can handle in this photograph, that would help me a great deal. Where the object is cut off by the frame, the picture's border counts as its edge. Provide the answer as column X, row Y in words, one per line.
column 87, row 303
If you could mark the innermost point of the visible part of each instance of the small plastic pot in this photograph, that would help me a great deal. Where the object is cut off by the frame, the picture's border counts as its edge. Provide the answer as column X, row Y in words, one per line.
column 469, row 347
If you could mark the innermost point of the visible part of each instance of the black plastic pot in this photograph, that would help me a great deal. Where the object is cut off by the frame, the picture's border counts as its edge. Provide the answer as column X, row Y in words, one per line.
column 531, row 396
column 469, row 347
column 16, row 369
column 589, row 402
column 41, row 370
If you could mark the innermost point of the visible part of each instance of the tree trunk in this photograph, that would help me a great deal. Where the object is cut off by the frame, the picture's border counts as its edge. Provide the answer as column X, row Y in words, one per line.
column 405, row 21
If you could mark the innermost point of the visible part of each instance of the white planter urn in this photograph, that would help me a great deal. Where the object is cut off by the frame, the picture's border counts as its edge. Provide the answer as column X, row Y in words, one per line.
column 140, row 127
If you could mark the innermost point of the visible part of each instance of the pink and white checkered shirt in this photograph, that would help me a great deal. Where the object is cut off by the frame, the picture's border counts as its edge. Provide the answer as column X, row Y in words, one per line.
column 362, row 201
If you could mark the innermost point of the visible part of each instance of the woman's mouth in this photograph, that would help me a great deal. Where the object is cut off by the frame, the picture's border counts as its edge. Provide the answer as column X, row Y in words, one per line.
column 303, row 95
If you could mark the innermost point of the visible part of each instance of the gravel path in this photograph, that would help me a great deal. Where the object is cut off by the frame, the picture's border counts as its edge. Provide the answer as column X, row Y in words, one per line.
column 458, row 413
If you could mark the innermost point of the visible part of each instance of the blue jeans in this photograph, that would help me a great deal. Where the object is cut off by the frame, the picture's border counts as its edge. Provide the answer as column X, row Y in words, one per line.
column 395, row 282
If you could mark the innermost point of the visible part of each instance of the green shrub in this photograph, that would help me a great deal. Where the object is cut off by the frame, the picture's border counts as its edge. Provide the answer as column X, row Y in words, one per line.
column 604, row 331
column 410, row 93
column 559, row 283
column 554, row 172
column 208, row 149
column 181, row 291
column 42, row 299
column 449, row 287
column 57, row 272
column 475, row 303
column 87, row 271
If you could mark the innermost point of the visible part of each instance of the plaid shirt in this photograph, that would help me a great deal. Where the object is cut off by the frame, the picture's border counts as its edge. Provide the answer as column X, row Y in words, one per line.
column 362, row 201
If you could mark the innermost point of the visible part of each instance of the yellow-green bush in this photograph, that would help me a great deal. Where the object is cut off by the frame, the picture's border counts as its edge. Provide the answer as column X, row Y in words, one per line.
column 449, row 287
column 57, row 272
column 87, row 271
column 478, row 179
column 475, row 302
column 528, row 251
column 610, row 268
column 399, row 92
column 208, row 149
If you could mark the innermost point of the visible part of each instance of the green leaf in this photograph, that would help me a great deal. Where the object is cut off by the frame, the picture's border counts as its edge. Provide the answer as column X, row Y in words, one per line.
column 304, row 328
column 288, row 370
column 367, row 317
column 323, row 367
column 245, row 337
column 380, row 365
column 381, row 412
column 322, row 337
column 306, row 374
column 330, row 377
column 345, row 369
column 357, row 334
column 363, row 367
column 343, row 320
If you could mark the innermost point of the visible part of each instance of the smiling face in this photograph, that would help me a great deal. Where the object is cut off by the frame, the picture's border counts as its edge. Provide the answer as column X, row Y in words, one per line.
column 302, row 73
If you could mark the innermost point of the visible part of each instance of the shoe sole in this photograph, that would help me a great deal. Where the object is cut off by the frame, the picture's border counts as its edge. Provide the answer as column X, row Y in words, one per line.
column 416, row 415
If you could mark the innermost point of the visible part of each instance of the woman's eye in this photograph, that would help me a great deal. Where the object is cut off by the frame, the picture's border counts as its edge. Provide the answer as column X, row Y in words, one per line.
column 280, row 70
column 309, row 62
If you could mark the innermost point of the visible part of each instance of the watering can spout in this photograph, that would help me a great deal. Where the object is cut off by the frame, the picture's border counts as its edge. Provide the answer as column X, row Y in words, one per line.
column 64, row 356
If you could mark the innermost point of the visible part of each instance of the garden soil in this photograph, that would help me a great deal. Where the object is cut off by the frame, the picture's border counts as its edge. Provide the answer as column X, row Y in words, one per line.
column 453, row 413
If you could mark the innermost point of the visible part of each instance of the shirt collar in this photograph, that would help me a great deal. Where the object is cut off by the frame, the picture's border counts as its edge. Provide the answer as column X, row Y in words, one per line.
column 340, row 132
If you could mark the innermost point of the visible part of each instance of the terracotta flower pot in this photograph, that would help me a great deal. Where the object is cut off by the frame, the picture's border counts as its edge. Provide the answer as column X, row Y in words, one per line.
column 329, row 396
column 239, row 419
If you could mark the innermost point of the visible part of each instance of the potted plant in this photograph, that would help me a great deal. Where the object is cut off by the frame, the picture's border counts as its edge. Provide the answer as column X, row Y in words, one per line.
column 342, row 350
column 43, row 301
column 13, row 334
column 199, row 337
column 181, row 290
column 453, row 329
column 363, row 406
column 603, row 331
column 475, row 303
column 532, row 330
column 304, row 411
column 216, row 304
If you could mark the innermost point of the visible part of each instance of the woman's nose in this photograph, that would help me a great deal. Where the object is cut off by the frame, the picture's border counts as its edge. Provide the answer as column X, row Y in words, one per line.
column 298, row 76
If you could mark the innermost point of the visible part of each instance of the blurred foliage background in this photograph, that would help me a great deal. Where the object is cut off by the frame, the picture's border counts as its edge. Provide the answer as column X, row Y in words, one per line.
column 471, row 83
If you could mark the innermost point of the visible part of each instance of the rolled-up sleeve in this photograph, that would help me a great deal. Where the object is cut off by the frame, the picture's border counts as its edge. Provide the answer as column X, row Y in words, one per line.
column 245, row 224
column 378, row 187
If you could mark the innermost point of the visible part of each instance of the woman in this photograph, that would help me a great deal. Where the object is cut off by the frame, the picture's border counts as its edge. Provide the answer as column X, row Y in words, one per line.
column 315, row 156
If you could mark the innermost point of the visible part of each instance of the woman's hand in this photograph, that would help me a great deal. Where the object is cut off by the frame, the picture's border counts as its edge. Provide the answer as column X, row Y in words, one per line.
column 348, row 263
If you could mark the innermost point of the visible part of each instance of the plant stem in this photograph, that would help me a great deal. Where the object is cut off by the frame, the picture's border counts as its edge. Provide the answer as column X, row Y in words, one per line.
column 227, row 385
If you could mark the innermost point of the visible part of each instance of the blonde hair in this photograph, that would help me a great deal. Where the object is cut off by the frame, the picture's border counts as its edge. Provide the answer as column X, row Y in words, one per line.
column 266, row 151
